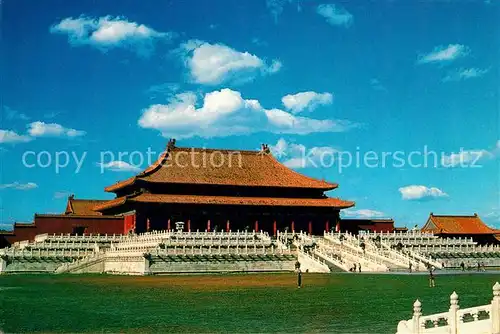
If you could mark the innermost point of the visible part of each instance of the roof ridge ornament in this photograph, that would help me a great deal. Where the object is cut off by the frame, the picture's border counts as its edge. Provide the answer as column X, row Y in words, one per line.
column 265, row 149
column 171, row 144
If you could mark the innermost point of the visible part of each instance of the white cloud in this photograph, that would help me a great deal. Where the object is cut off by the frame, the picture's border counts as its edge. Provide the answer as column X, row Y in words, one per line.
column 41, row 129
column 10, row 137
column 419, row 192
column 465, row 158
column 363, row 213
column 109, row 32
column 335, row 15
column 298, row 156
column 471, row 158
column 212, row 64
column 19, row 186
column 275, row 66
column 225, row 113
column 444, row 53
column 118, row 166
column 306, row 100
column 465, row 73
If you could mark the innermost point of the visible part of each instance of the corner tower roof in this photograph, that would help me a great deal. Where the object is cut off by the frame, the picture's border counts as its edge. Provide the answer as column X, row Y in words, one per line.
column 456, row 225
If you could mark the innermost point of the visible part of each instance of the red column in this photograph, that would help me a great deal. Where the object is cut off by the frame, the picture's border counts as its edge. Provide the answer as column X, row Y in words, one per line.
column 208, row 225
column 227, row 226
column 310, row 227
column 168, row 225
column 189, row 225
column 293, row 226
column 256, row 226
column 148, row 224
column 274, row 228
column 337, row 227
column 327, row 226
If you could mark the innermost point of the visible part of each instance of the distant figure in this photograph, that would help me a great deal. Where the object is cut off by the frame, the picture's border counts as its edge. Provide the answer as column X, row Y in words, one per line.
column 478, row 267
column 432, row 279
column 442, row 265
column 299, row 278
column 354, row 268
column 297, row 265
column 483, row 266
column 410, row 265
column 359, row 267
column 462, row 265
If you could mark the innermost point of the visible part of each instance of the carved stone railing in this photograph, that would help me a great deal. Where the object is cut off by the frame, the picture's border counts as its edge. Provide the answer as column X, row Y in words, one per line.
column 351, row 256
column 328, row 257
column 311, row 262
column 483, row 319
column 349, row 248
column 218, row 250
column 13, row 253
column 80, row 263
column 81, row 237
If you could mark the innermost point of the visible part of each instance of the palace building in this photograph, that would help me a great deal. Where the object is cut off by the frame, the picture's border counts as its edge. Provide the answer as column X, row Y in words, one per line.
column 449, row 226
column 224, row 190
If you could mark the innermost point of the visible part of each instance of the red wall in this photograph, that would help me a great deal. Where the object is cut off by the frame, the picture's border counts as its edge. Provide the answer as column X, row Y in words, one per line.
column 65, row 224
column 378, row 227
column 129, row 223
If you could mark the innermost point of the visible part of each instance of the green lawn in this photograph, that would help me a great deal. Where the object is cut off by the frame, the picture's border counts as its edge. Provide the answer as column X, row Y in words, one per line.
column 342, row 303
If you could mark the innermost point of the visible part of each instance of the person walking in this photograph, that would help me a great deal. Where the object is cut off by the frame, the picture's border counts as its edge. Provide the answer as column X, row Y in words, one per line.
column 410, row 265
column 432, row 279
column 359, row 267
column 299, row 278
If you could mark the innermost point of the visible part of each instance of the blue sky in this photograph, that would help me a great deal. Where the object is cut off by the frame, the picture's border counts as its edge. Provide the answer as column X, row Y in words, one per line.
column 309, row 77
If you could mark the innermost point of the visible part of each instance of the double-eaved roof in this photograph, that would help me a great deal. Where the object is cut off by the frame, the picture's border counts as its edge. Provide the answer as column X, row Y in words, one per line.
column 200, row 166
column 445, row 224
column 222, row 167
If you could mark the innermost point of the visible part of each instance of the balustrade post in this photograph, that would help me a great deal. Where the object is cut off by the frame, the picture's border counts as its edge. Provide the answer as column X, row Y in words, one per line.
column 417, row 313
column 452, row 317
column 495, row 310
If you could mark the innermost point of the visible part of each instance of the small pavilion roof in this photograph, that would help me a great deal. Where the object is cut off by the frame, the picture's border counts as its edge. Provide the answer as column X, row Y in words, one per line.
column 82, row 207
column 224, row 200
column 222, row 167
column 451, row 224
